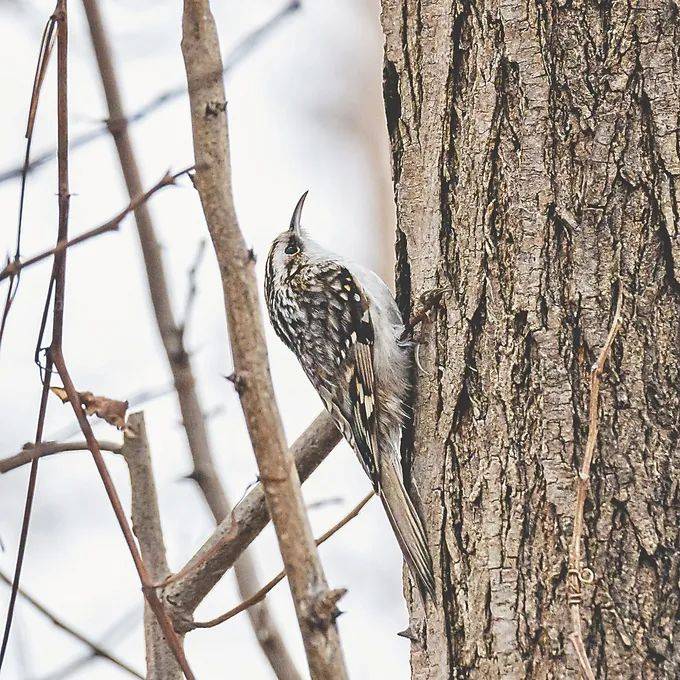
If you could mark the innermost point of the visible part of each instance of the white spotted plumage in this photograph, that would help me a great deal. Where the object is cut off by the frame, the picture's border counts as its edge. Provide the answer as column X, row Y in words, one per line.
column 343, row 324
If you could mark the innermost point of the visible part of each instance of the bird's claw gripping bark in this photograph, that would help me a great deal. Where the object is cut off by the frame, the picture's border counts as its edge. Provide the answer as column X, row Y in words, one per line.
column 425, row 303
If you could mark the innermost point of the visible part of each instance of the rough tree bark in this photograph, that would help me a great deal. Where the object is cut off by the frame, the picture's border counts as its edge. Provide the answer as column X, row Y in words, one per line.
column 536, row 167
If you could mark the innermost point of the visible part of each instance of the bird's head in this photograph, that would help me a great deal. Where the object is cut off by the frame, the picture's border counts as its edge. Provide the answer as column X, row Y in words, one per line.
column 288, row 248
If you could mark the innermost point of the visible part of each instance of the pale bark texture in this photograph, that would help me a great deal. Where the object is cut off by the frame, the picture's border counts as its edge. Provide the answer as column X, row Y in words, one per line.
column 146, row 524
column 536, row 169
column 315, row 603
column 179, row 360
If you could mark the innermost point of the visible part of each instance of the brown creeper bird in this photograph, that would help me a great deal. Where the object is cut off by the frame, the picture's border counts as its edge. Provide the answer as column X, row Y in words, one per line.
column 344, row 326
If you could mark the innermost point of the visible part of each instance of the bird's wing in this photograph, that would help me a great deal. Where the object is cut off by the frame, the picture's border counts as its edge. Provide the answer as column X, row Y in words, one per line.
column 350, row 394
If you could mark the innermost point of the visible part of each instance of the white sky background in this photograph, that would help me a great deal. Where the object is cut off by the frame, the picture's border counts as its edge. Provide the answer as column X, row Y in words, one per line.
column 305, row 112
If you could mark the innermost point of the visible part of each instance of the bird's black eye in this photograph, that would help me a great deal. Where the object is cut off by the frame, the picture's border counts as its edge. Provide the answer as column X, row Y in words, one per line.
column 292, row 249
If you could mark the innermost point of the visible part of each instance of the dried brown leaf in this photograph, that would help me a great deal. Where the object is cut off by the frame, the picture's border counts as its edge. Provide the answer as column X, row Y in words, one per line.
column 61, row 393
column 110, row 410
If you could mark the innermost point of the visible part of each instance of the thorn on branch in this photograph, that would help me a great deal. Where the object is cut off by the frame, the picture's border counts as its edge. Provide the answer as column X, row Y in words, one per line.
column 252, row 257
column 193, row 476
column 238, row 381
column 409, row 634
column 323, row 609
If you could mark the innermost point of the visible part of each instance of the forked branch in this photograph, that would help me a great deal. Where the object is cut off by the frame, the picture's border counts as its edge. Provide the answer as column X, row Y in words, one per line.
column 281, row 484
column 262, row 593
column 55, row 353
column 172, row 334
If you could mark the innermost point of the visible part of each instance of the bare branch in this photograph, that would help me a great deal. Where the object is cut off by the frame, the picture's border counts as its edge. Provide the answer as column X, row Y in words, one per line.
column 269, row 638
column 146, row 523
column 59, row 623
column 309, row 589
column 32, row 451
column 242, row 50
column 262, row 593
column 576, row 575
column 172, row 336
column 147, row 584
column 14, row 267
column 186, row 590
column 45, row 51
column 56, row 355
column 125, row 625
column 46, row 45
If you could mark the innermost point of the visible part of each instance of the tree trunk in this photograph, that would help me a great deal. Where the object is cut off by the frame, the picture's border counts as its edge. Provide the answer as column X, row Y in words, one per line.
column 536, row 169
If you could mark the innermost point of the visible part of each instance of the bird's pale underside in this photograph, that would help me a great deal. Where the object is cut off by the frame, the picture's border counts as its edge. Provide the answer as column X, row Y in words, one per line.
column 344, row 326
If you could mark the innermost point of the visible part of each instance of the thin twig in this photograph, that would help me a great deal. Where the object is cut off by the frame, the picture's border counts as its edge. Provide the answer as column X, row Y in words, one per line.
column 242, row 50
column 262, row 593
column 46, row 44
column 31, row 452
column 55, row 353
column 96, row 649
column 45, row 51
column 28, row 506
column 192, row 288
column 115, row 632
column 14, row 267
column 576, row 575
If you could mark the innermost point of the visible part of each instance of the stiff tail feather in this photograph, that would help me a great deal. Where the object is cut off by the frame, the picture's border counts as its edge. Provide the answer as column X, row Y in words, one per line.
column 407, row 525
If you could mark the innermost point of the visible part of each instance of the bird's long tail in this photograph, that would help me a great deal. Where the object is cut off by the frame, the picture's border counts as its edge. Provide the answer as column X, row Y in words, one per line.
column 406, row 523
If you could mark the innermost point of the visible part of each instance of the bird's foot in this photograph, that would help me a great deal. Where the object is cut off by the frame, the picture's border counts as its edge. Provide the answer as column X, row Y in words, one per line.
column 422, row 308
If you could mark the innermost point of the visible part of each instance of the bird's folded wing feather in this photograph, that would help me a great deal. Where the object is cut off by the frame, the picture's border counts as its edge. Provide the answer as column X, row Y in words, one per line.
column 353, row 397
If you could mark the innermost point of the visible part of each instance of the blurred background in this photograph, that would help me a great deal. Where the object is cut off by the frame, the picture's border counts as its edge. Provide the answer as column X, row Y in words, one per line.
column 305, row 111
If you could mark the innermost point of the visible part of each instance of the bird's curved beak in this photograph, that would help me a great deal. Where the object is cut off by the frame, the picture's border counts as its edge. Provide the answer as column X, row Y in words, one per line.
column 297, row 213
